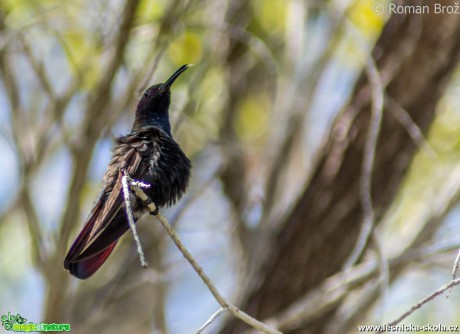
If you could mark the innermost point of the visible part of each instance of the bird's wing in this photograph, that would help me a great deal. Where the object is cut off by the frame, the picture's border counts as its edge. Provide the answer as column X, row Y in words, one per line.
column 106, row 223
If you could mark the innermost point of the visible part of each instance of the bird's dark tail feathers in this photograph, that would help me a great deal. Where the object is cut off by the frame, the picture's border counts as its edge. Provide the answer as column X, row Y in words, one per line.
column 85, row 268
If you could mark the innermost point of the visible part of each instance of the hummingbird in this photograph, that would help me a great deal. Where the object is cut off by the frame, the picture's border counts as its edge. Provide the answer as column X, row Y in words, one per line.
column 149, row 154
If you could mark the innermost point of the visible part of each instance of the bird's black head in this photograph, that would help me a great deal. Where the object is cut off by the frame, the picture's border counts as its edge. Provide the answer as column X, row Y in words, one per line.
column 152, row 109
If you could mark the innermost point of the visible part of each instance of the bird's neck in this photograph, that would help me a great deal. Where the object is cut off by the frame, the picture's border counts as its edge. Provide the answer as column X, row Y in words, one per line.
column 145, row 120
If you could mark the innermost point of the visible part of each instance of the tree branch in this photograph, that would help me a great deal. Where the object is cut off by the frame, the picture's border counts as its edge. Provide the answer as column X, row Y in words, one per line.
column 196, row 266
column 432, row 296
column 368, row 162
column 213, row 317
column 129, row 214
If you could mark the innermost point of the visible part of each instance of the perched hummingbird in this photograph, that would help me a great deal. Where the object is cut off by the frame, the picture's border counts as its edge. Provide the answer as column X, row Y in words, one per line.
column 148, row 154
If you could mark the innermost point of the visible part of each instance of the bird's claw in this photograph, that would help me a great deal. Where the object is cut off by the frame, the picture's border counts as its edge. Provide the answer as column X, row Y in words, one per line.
column 156, row 212
column 140, row 184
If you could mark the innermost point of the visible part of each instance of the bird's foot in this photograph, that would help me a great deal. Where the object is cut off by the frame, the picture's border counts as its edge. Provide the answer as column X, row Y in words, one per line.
column 147, row 202
column 140, row 184
column 156, row 212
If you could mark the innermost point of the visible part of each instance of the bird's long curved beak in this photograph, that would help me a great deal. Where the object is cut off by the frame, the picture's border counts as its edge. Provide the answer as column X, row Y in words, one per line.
column 173, row 77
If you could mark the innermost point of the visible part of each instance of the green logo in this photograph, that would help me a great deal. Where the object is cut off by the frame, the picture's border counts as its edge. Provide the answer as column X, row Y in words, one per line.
column 16, row 323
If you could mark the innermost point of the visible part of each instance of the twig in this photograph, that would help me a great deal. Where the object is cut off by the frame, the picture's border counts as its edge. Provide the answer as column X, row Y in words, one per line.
column 129, row 214
column 39, row 69
column 368, row 162
column 432, row 296
column 199, row 270
column 403, row 117
column 455, row 268
column 384, row 268
column 211, row 319
column 224, row 303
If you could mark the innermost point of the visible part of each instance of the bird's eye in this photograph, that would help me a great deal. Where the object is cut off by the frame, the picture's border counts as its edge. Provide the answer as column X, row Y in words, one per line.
column 146, row 94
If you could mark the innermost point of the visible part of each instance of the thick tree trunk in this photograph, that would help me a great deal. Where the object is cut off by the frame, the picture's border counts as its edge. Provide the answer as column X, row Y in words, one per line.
column 415, row 56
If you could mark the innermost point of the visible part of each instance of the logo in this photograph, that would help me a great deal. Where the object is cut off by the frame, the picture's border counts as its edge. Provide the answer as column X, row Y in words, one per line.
column 16, row 323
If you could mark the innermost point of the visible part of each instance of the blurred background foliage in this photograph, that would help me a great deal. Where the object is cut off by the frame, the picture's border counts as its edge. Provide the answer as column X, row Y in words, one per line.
column 262, row 69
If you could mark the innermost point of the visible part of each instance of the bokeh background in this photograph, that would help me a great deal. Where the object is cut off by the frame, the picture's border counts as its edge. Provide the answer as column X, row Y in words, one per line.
column 282, row 96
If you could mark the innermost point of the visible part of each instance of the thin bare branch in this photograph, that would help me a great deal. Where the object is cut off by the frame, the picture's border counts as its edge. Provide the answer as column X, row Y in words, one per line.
column 129, row 214
column 211, row 319
column 412, row 128
column 198, row 269
column 455, row 268
column 38, row 68
column 432, row 296
column 384, row 267
column 368, row 162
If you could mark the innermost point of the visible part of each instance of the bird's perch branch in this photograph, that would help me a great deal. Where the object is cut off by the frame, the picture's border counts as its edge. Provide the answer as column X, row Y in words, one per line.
column 136, row 187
